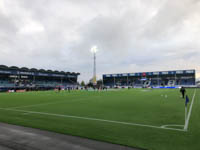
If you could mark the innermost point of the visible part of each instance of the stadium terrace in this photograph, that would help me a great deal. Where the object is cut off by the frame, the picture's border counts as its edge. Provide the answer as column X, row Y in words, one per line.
column 160, row 79
column 24, row 78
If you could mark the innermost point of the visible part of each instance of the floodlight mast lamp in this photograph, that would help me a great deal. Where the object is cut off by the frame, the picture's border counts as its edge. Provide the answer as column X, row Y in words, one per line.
column 94, row 51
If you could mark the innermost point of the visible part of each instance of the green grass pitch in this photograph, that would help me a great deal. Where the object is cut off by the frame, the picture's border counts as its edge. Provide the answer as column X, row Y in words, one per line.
column 146, row 118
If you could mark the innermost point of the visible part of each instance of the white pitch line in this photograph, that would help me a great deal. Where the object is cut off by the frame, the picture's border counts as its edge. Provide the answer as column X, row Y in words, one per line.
column 63, row 101
column 189, row 113
column 26, row 113
column 172, row 125
column 37, row 105
column 93, row 119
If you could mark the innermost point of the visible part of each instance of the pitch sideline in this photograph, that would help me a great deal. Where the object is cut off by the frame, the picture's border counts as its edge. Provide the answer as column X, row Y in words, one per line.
column 189, row 114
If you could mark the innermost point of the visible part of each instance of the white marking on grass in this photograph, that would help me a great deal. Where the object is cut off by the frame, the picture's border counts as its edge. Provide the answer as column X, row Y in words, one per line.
column 93, row 119
column 146, row 90
column 172, row 125
column 37, row 105
column 189, row 113
column 63, row 101
column 26, row 113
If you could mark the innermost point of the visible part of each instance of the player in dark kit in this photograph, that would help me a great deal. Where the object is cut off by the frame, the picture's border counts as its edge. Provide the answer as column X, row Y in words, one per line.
column 183, row 91
column 69, row 89
column 59, row 89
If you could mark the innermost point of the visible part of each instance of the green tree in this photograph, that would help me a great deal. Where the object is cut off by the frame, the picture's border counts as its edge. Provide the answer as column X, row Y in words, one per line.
column 82, row 83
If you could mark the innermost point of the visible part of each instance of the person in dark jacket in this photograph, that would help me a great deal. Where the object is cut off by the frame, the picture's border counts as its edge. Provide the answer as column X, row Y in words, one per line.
column 59, row 89
column 183, row 91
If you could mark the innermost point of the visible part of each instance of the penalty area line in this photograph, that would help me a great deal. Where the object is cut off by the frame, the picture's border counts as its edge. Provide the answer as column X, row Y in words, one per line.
column 92, row 119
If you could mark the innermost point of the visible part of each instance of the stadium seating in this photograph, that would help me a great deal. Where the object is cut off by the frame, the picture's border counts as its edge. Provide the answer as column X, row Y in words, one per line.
column 14, row 77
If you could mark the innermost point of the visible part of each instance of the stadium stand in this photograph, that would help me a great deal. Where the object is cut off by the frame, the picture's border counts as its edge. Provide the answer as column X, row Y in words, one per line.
column 175, row 78
column 33, row 79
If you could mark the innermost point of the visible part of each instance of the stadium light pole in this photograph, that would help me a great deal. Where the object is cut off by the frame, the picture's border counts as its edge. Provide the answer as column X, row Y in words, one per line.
column 94, row 51
column 127, row 81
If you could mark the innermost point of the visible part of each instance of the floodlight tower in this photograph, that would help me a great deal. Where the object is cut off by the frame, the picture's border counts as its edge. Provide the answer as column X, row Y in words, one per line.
column 94, row 51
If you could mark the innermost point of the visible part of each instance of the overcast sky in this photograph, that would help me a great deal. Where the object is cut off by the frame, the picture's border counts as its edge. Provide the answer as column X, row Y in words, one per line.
column 131, row 35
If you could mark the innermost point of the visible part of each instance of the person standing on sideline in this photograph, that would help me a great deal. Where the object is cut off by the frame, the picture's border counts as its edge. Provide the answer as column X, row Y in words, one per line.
column 183, row 91
column 59, row 89
column 69, row 89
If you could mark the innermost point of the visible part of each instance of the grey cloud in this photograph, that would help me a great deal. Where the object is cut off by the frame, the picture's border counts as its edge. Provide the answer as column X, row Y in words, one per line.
column 131, row 35
column 169, row 18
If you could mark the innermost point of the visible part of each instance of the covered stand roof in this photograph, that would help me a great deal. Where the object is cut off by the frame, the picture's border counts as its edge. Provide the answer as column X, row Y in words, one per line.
column 25, row 69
